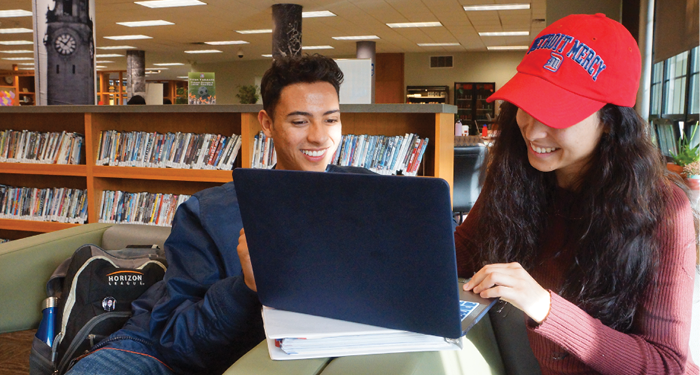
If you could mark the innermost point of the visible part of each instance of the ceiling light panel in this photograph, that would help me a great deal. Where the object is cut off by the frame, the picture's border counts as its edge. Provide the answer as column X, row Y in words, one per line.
column 31, row 63
column 15, row 13
column 266, row 55
column 169, row 64
column 116, row 47
column 17, row 51
column 145, row 23
column 360, row 37
column 227, row 43
column 109, row 55
column 204, row 51
column 258, row 31
column 505, row 33
column 16, row 30
column 18, row 58
column 183, row 77
column 169, row 3
column 437, row 44
column 316, row 47
column 104, row 62
column 506, row 48
column 128, row 37
column 475, row 8
column 413, row 24
column 321, row 13
column 15, row 42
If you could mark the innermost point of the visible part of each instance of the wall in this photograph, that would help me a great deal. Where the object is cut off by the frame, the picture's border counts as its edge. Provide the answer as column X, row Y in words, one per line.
column 557, row 9
column 231, row 74
column 496, row 67
column 389, row 81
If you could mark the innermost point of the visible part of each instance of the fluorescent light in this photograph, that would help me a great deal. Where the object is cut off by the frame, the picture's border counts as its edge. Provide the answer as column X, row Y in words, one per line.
column 226, row 43
column 100, row 67
column 316, row 47
column 204, row 51
column 31, row 63
column 16, row 30
column 26, row 68
column 18, row 51
column 15, row 13
column 128, row 37
column 506, row 48
column 413, row 24
column 469, row 8
column 15, row 42
column 320, row 13
column 258, row 31
column 184, row 77
column 18, row 58
column 360, row 37
column 157, row 69
column 145, row 23
column 116, row 47
column 437, row 44
column 169, row 3
column 168, row 64
column 266, row 55
column 109, row 55
column 104, row 62
column 505, row 33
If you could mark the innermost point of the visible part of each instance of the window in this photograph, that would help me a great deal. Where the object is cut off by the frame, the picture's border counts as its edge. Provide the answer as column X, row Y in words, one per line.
column 657, row 80
column 694, row 99
column 675, row 84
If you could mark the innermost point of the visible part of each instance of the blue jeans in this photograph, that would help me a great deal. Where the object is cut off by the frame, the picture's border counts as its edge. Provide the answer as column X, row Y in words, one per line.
column 119, row 362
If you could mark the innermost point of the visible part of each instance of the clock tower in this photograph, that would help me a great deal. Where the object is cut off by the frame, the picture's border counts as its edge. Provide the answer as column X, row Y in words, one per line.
column 70, row 57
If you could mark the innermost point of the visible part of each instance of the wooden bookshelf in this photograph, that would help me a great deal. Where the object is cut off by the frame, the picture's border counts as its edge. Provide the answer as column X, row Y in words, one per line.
column 433, row 121
column 22, row 84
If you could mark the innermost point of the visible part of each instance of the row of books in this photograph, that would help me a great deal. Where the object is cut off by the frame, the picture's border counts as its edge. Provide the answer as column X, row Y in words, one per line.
column 45, row 148
column 3, row 240
column 382, row 154
column 139, row 208
column 170, row 150
column 264, row 155
column 64, row 205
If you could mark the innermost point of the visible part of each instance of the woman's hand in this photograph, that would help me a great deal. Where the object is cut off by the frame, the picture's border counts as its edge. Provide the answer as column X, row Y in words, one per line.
column 513, row 284
column 244, row 257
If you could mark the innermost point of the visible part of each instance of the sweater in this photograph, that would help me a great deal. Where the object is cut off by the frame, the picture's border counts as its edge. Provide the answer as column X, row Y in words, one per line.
column 569, row 340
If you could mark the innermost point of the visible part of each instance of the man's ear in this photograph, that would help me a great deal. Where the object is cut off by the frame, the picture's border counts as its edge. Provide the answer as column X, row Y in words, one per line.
column 265, row 122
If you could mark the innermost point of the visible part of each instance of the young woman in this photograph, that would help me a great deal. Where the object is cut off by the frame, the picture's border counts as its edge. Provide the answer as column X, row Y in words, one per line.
column 577, row 224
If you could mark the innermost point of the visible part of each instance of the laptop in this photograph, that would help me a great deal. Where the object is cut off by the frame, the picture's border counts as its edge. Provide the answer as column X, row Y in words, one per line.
column 364, row 248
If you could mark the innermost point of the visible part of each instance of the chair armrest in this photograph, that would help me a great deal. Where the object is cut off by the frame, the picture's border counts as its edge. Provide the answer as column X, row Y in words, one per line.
column 25, row 266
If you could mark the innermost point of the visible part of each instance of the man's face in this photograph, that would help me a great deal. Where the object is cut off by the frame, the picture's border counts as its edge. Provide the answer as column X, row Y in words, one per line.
column 306, row 127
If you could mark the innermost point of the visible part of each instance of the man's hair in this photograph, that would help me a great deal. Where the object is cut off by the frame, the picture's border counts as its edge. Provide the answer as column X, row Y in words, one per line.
column 287, row 71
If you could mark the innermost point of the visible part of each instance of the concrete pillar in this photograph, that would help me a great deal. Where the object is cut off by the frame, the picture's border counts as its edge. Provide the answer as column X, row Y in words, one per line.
column 64, row 52
column 368, row 50
column 135, row 73
column 286, row 30
column 646, row 47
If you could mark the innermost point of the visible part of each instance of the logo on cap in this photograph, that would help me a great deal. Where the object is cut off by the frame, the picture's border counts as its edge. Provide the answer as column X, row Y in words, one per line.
column 554, row 62
column 109, row 304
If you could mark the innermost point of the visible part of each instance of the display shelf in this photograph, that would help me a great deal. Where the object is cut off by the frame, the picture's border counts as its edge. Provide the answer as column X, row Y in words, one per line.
column 472, row 108
column 427, row 94
column 433, row 121
column 33, row 226
column 44, row 169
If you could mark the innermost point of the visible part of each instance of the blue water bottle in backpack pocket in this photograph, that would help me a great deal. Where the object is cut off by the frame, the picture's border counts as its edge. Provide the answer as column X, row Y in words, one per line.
column 46, row 331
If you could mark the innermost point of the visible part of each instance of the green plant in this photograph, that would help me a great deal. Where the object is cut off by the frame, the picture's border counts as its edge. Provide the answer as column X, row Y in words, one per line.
column 686, row 152
column 247, row 94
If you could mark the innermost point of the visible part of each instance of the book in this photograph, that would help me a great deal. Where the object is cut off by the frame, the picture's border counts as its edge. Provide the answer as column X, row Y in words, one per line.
column 292, row 335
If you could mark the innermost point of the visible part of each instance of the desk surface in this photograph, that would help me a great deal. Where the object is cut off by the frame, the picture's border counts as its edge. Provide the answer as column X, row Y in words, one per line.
column 479, row 356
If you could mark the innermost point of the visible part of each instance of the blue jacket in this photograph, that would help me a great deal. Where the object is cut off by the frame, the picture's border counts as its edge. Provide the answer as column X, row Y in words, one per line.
column 202, row 317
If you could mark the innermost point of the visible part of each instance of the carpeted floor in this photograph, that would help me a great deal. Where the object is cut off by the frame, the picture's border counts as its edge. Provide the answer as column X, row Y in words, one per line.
column 14, row 352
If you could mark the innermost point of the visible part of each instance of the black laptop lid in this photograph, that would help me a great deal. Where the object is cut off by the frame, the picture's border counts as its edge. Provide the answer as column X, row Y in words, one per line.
column 365, row 248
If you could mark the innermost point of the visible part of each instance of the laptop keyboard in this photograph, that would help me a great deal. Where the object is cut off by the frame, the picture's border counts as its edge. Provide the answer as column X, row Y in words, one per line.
column 466, row 307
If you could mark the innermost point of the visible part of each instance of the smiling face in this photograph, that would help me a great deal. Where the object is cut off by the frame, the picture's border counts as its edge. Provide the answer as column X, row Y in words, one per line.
column 564, row 151
column 306, row 127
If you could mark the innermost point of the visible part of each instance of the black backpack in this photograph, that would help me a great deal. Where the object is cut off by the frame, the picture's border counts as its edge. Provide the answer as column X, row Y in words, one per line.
column 94, row 290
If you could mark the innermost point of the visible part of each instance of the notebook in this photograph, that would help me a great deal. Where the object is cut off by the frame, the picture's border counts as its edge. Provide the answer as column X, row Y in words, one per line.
column 364, row 248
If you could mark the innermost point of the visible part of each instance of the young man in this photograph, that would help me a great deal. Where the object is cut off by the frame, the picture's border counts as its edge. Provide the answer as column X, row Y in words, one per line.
column 202, row 317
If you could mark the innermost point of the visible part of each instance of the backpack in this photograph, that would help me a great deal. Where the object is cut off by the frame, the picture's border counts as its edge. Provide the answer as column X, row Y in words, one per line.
column 94, row 290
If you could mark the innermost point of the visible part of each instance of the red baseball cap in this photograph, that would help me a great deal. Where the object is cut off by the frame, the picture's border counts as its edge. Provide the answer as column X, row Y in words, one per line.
column 573, row 68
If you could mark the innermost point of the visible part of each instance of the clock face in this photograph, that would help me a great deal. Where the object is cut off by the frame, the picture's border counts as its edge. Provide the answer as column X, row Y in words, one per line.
column 65, row 44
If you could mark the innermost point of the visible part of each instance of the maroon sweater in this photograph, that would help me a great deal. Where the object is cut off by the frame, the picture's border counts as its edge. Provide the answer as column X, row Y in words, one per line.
column 658, row 340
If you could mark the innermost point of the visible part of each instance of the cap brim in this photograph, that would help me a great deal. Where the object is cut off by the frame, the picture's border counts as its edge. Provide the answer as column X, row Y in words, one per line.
column 546, row 102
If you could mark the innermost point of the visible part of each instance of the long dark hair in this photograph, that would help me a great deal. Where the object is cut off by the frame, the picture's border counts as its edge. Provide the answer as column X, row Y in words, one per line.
column 620, row 203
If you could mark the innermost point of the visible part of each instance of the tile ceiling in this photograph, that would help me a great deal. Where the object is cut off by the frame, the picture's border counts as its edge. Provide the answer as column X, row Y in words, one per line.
column 219, row 20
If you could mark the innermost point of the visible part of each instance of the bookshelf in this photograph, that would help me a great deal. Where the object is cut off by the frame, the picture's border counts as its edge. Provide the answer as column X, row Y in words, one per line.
column 434, row 121
column 21, row 82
